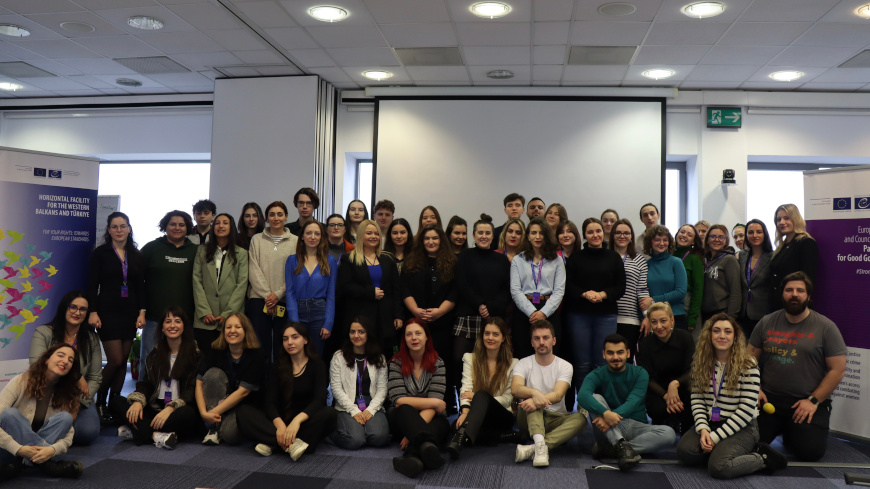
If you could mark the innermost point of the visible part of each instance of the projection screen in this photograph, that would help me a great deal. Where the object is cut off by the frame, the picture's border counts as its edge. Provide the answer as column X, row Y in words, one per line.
column 465, row 156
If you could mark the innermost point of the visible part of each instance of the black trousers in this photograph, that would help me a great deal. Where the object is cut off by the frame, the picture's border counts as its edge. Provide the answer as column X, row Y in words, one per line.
column 406, row 421
column 807, row 441
column 657, row 409
column 183, row 421
column 521, row 331
column 487, row 418
column 256, row 426
column 204, row 339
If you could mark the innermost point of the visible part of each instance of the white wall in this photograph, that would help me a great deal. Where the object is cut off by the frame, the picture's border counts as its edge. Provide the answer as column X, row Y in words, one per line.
column 353, row 140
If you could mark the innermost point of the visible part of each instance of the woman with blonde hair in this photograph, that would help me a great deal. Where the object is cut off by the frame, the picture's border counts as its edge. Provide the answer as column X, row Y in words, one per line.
column 511, row 239
column 796, row 251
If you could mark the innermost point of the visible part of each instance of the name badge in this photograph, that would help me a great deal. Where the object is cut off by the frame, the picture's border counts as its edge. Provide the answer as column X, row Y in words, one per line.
column 361, row 404
column 167, row 397
column 536, row 298
column 125, row 291
column 716, row 414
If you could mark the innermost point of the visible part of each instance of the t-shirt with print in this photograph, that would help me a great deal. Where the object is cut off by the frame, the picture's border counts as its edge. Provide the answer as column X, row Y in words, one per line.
column 793, row 355
column 544, row 378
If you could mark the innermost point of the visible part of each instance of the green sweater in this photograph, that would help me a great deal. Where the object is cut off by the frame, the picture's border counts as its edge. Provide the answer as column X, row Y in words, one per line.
column 625, row 392
column 168, row 277
column 695, row 274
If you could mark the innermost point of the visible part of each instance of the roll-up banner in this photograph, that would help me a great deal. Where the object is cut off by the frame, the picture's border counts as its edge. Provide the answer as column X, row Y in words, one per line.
column 837, row 212
column 47, row 225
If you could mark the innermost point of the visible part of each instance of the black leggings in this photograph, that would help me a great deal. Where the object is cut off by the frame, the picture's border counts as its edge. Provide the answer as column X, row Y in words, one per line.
column 487, row 418
column 255, row 425
column 115, row 371
column 406, row 421
column 182, row 421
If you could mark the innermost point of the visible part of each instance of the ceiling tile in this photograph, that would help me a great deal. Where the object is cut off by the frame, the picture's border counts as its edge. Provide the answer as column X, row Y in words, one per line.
column 544, row 10
column 522, row 74
column 839, row 34
column 98, row 66
column 548, row 55
column 298, row 10
column 91, row 81
column 113, row 91
column 54, row 67
column 635, row 73
column 179, row 2
column 17, row 52
column 56, row 83
column 608, row 33
column 646, row 11
column 77, row 93
column 332, row 75
column 206, row 16
column 492, row 34
column 521, row 11
column 291, row 37
column 276, row 70
column 813, row 56
column 54, row 21
column 539, row 83
column 651, row 55
column 545, row 33
column 832, row 87
column 438, row 73
column 697, row 85
column 770, row 86
column 507, row 55
column 685, row 33
column 265, row 14
column 259, row 57
column 844, row 75
column 172, row 80
column 788, row 10
column 40, row 6
column 596, row 74
column 311, row 58
column 106, row 4
column 347, row 36
column 194, row 89
column 740, row 55
column 721, row 73
column 236, row 39
column 439, row 34
column 205, row 61
column 126, row 46
column 546, row 73
column 171, row 22
column 146, row 82
column 844, row 12
column 181, row 42
column 37, row 31
column 764, row 33
column 58, row 49
column 407, row 11
column 364, row 56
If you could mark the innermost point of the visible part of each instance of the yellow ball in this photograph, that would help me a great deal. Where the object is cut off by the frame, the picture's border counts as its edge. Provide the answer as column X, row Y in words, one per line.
column 768, row 408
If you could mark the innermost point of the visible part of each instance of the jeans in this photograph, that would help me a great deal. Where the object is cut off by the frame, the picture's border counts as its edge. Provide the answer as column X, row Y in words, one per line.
column 87, row 425
column 732, row 457
column 148, row 341
column 642, row 437
column 215, row 387
column 18, row 427
column 312, row 314
column 351, row 435
column 587, row 340
column 269, row 329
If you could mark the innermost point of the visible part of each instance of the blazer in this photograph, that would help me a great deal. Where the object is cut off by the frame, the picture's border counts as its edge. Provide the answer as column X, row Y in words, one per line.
column 219, row 298
column 356, row 294
column 799, row 255
column 756, row 292
column 343, row 382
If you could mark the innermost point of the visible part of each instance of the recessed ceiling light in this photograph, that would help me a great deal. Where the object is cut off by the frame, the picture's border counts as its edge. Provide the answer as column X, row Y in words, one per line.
column 78, row 27
column 658, row 73
column 617, row 9
column 13, row 30
column 500, row 74
column 10, row 86
column 128, row 82
column 327, row 13
column 786, row 76
column 704, row 9
column 863, row 11
column 145, row 23
column 377, row 74
column 490, row 10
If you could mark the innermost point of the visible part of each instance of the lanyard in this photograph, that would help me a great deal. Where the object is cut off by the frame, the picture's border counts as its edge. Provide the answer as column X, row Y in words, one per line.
column 123, row 263
column 749, row 270
column 359, row 376
column 687, row 254
column 710, row 264
column 538, row 279
column 624, row 257
column 716, row 392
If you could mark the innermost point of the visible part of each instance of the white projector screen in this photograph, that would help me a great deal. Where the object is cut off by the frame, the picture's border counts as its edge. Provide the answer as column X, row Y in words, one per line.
column 465, row 156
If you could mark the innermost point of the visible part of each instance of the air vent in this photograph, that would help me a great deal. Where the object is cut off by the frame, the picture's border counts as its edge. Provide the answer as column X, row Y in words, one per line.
column 20, row 69
column 154, row 65
column 128, row 82
column 860, row 60
column 429, row 56
column 617, row 9
column 601, row 55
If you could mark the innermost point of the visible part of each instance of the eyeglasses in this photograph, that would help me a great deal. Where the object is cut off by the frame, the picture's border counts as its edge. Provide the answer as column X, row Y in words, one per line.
column 122, row 227
column 623, row 233
column 715, row 237
column 74, row 309
column 335, row 225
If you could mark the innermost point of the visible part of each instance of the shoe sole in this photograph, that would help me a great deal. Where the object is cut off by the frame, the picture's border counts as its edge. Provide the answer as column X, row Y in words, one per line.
column 408, row 466
column 520, row 457
column 628, row 464
column 171, row 442
column 541, row 464
column 431, row 457
column 210, row 442
column 263, row 451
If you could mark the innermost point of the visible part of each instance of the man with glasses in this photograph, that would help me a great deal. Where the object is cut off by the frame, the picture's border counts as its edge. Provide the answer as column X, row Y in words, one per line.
column 306, row 202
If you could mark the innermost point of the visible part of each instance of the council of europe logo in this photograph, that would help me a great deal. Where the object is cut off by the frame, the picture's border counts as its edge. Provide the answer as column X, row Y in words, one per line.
column 862, row 203
column 55, row 173
column 842, row 203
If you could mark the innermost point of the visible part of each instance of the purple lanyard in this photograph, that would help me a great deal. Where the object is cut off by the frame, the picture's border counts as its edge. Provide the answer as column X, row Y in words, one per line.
column 687, row 254
column 123, row 264
column 359, row 377
column 721, row 383
column 714, row 261
column 540, row 267
column 624, row 258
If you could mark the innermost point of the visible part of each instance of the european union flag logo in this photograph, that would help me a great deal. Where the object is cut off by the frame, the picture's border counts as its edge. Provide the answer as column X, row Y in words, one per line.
column 842, row 203
column 862, row 203
column 39, row 172
column 54, row 173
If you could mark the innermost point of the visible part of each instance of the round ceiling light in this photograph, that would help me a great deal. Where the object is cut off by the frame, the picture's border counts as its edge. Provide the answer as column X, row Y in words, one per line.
column 490, row 10
column 658, row 73
column 500, row 74
column 703, row 10
column 617, row 9
column 13, row 30
column 128, row 82
column 863, row 11
column 10, row 86
column 145, row 23
column 328, row 13
column 786, row 76
column 377, row 74
column 78, row 27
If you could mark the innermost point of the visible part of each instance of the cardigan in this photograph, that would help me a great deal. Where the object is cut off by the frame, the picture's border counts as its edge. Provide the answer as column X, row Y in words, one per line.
column 302, row 286
column 433, row 384
column 594, row 269
column 14, row 395
column 737, row 408
column 92, row 369
column 343, row 381
column 523, row 276
column 505, row 398
column 266, row 264
column 220, row 298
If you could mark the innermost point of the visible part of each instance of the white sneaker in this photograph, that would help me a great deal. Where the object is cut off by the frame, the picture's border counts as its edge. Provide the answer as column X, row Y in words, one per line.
column 212, row 438
column 524, row 452
column 164, row 440
column 297, row 449
column 542, row 455
column 263, row 449
column 125, row 433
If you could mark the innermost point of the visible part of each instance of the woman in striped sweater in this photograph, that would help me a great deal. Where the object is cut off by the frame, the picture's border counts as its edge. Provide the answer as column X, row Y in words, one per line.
column 636, row 300
column 725, row 384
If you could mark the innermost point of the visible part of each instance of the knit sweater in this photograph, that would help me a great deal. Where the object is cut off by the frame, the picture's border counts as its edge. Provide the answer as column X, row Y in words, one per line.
column 431, row 385
column 737, row 408
column 594, row 269
column 694, row 266
column 628, row 308
column 625, row 392
column 667, row 281
column 266, row 262
column 482, row 277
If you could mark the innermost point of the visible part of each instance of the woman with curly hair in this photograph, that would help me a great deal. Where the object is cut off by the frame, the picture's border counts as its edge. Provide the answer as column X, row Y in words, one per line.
column 47, row 397
column 725, row 385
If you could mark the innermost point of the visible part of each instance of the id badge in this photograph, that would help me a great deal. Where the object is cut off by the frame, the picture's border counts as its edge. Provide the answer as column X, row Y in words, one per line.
column 167, row 397
column 125, row 291
column 716, row 414
column 536, row 298
column 361, row 404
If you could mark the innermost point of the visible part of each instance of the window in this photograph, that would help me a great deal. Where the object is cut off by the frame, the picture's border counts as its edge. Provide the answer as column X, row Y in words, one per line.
column 675, row 196
column 364, row 182
column 149, row 190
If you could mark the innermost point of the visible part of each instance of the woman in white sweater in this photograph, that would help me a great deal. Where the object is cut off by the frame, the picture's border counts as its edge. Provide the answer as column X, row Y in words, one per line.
column 485, row 396
column 358, row 379
column 725, row 385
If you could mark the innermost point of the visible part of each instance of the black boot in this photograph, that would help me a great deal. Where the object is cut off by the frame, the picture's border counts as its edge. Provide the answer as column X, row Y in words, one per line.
column 773, row 460
column 10, row 471
column 455, row 445
column 627, row 457
column 509, row 436
column 106, row 417
column 409, row 466
column 60, row 468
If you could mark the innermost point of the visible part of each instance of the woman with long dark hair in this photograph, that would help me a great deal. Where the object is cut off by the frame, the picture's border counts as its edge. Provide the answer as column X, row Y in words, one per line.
column 485, row 397
column 725, row 385
column 36, row 415
column 116, row 300
column 416, row 384
column 355, row 214
column 755, row 279
column 358, row 380
column 556, row 214
column 721, row 276
column 796, row 251
column 457, row 234
column 162, row 408
column 68, row 327
column 220, row 280
column 690, row 249
column 397, row 242
column 430, row 216
column 251, row 223
column 568, row 238
column 631, row 306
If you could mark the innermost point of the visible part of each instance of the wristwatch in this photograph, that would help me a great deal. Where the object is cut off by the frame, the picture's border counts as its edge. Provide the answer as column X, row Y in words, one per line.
column 813, row 400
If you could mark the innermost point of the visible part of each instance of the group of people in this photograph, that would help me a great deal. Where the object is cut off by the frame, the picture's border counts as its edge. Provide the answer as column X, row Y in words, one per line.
column 248, row 328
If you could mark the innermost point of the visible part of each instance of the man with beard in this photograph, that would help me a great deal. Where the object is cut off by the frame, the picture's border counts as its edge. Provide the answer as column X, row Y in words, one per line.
column 803, row 358
column 535, row 208
column 542, row 380
column 615, row 396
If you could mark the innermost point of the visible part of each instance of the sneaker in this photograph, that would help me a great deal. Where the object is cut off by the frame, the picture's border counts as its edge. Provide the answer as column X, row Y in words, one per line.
column 542, row 455
column 164, row 440
column 263, row 449
column 297, row 449
column 524, row 452
column 603, row 449
column 773, row 460
column 408, row 466
column 627, row 457
column 60, row 468
column 125, row 433
column 212, row 437
column 430, row 455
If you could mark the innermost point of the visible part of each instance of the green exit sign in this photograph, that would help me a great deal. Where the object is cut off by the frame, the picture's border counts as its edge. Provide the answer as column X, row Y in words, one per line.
column 724, row 117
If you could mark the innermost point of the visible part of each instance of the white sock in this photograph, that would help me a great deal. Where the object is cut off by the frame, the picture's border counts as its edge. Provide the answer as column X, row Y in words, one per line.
column 538, row 438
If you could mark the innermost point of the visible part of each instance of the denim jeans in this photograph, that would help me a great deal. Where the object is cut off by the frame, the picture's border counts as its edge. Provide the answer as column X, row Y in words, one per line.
column 87, row 425
column 18, row 427
column 351, row 435
column 587, row 340
column 148, row 341
column 215, row 388
column 642, row 437
column 312, row 314
column 732, row 457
